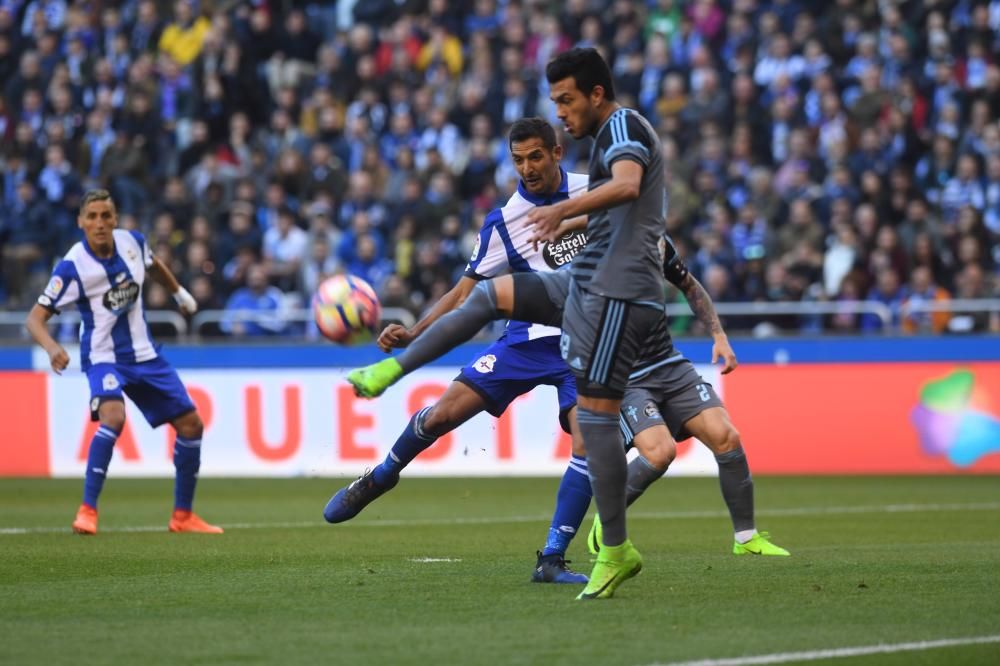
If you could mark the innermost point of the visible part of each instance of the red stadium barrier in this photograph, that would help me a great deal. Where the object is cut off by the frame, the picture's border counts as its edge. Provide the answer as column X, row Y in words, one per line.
column 866, row 418
column 853, row 418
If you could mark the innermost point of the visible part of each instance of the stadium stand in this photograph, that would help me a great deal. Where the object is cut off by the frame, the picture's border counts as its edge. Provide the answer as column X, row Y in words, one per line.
column 820, row 152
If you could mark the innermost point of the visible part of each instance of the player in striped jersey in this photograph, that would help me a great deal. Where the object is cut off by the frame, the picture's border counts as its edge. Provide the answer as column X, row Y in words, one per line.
column 525, row 356
column 102, row 276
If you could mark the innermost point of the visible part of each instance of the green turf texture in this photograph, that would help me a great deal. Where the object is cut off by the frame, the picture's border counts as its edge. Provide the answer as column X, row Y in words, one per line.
column 310, row 593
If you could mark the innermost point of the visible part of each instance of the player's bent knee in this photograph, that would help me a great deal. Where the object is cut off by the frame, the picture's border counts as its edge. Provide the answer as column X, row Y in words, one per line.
column 112, row 415
column 658, row 448
column 729, row 441
column 661, row 456
column 189, row 426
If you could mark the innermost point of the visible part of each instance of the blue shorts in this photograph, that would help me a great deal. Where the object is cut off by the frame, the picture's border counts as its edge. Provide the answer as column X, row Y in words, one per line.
column 504, row 372
column 153, row 386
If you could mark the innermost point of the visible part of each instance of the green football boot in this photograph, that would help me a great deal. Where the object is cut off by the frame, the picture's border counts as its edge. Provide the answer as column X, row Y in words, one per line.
column 372, row 380
column 615, row 565
column 759, row 545
column 594, row 538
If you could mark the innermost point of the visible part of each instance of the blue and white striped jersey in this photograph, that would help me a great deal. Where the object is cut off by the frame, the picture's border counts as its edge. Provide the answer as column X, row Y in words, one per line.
column 503, row 246
column 108, row 293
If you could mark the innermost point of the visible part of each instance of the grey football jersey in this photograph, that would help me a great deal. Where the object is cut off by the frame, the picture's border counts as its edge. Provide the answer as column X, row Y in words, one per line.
column 621, row 259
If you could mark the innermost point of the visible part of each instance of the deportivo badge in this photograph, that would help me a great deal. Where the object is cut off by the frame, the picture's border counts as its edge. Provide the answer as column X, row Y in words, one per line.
column 485, row 364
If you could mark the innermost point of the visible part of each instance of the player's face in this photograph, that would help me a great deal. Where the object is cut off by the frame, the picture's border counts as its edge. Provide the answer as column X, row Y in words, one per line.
column 575, row 109
column 98, row 220
column 537, row 165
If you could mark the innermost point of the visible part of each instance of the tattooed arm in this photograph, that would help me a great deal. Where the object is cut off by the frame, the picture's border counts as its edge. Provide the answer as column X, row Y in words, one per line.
column 703, row 308
column 700, row 303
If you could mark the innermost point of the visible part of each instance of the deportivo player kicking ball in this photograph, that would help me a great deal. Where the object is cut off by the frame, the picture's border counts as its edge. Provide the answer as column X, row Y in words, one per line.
column 525, row 356
column 103, row 276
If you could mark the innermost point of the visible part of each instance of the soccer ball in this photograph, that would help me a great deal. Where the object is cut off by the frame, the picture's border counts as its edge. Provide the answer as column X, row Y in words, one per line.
column 346, row 309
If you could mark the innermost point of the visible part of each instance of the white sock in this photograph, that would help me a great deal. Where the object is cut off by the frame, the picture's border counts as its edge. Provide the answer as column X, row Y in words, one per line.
column 745, row 535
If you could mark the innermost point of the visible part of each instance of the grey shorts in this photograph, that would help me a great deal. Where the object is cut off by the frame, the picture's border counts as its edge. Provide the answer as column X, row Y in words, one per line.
column 670, row 395
column 602, row 338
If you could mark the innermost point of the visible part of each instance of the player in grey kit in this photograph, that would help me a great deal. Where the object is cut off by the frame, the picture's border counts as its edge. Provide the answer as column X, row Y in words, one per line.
column 617, row 293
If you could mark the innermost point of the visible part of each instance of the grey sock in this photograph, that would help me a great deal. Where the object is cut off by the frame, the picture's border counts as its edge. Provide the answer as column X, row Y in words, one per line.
column 608, row 470
column 459, row 325
column 737, row 487
column 641, row 475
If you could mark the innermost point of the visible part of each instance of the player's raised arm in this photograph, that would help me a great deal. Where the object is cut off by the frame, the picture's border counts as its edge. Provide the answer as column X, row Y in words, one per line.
column 396, row 336
column 162, row 274
column 37, row 325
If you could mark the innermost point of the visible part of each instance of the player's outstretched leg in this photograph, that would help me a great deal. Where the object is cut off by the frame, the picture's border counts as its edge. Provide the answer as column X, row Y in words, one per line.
column 454, row 328
column 187, row 462
column 350, row 500
column 572, row 502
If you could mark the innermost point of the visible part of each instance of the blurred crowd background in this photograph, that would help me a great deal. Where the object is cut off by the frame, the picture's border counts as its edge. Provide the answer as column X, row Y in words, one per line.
column 817, row 151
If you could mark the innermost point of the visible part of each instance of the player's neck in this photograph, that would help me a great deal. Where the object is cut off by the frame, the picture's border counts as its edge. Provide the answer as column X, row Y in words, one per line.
column 101, row 251
column 604, row 115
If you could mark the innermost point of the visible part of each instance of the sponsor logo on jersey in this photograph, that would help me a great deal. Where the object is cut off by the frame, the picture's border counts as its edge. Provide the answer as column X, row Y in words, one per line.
column 650, row 410
column 562, row 251
column 485, row 364
column 121, row 298
column 54, row 287
column 110, row 382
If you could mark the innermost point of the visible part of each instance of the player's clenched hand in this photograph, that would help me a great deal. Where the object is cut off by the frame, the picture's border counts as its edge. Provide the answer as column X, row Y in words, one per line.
column 394, row 336
column 722, row 349
column 58, row 359
column 544, row 221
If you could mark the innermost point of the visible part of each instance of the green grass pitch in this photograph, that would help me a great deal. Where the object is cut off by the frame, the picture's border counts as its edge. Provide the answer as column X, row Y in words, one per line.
column 437, row 572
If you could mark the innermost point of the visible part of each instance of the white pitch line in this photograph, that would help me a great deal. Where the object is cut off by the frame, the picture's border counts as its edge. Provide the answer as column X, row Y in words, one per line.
column 426, row 560
column 502, row 520
column 837, row 653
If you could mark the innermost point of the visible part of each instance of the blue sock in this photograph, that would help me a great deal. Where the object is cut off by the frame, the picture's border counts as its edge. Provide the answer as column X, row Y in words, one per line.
column 98, row 459
column 411, row 442
column 572, row 503
column 187, row 461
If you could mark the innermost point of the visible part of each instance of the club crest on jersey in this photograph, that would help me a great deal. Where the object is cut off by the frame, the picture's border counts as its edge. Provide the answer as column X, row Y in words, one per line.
column 650, row 410
column 485, row 364
column 121, row 298
column 54, row 287
column 110, row 382
column 562, row 251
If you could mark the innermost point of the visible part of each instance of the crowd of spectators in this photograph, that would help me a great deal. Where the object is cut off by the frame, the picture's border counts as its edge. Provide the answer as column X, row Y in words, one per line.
column 816, row 151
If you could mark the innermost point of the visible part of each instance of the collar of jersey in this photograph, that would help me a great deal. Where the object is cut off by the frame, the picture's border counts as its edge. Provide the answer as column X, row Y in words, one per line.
column 545, row 199
column 114, row 251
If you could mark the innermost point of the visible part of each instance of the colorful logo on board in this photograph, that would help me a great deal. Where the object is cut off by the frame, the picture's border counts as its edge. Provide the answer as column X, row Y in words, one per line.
column 952, row 420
